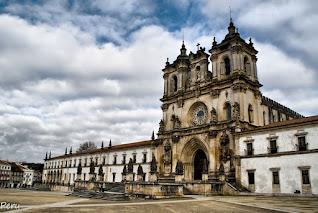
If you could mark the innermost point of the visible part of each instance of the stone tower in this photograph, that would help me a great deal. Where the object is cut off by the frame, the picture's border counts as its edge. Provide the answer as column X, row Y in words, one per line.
column 202, row 110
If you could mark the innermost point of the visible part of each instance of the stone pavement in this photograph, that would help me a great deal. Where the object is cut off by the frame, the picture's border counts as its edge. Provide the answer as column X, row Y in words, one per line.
column 190, row 203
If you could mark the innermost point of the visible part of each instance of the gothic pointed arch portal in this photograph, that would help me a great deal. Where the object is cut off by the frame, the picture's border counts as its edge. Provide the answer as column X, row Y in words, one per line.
column 192, row 153
column 199, row 160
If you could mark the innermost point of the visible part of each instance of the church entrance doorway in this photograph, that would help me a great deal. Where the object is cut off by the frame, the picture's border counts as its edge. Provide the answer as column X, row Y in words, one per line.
column 199, row 160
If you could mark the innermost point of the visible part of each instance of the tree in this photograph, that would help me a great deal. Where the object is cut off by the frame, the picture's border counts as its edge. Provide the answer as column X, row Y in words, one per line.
column 87, row 146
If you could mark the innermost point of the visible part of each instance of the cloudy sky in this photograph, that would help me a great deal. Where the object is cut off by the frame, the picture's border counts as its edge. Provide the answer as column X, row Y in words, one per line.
column 76, row 71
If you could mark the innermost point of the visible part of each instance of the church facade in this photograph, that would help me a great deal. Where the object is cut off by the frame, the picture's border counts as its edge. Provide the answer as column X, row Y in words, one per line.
column 208, row 119
column 202, row 111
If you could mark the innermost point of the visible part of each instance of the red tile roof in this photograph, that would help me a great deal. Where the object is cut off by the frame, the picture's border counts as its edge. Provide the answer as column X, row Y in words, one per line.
column 285, row 123
column 16, row 167
column 4, row 162
column 290, row 122
column 121, row 146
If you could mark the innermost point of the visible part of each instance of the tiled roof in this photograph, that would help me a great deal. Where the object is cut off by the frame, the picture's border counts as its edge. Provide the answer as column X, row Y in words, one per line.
column 16, row 167
column 285, row 123
column 121, row 146
column 4, row 162
column 290, row 122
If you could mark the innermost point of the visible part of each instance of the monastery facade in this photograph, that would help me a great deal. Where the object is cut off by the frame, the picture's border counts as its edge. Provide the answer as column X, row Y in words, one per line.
column 216, row 127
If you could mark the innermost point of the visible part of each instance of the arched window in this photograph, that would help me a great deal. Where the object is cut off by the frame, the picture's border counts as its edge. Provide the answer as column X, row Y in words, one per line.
column 197, row 72
column 227, row 66
column 228, row 111
column 175, row 83
column 246, row 64
column 250, row 113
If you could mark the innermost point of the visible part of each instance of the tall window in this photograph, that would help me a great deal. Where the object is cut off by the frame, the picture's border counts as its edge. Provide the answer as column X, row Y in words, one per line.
column 114, row 177
column 264, row 118
column 250, row 113
column 305, row 176
column 134, row 158
column 144, row 160
column 273, row 146
column 175, row 83
column 246, row 64
column 302, row 146
column 250, row 149
column 124, row 159
column 115, row 159
column 228, row 111
column 227, row 66
column 275, row 177
column 251, row 178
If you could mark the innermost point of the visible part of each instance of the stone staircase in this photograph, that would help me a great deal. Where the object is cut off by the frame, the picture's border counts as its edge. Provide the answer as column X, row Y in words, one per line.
column 166, row 179
column 238, row 187
column 111, row 191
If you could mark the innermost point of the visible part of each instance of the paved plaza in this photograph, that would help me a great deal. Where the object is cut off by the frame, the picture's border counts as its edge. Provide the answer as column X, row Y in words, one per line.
column 33, row 201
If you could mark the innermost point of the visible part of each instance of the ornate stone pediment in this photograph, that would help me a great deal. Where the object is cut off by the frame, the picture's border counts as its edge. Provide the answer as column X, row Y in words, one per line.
column 180, row 103
column 213, row 133
column 239, row 87
column 215, row 93
column 164, row 107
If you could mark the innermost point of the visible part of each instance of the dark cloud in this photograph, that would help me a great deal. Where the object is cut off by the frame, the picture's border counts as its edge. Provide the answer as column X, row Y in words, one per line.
column 62, row 85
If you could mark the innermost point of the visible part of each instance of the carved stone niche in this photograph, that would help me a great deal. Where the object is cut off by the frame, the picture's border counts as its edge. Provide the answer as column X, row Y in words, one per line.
column 215, row 93
column 257, row 94
column 213, row 133
column 164, row 107
column 175, row 138
column 161, row 127
column 214, row 117
column 157, row 142
column 180, row 103
column 239, row 87
column 224, row 147
column 168, row 154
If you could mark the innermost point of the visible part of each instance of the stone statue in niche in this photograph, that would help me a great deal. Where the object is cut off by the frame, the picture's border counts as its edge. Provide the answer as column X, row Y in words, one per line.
column 221, row 169
column 236, row 111
column 224, row 142
column 214, row 118
column 161, row 126
column 176, row 122
column 198, row 75
column 153, row 165
column 167, row 157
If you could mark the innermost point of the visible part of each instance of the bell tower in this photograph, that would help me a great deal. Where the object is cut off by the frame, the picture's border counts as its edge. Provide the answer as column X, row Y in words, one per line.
column 233, row 56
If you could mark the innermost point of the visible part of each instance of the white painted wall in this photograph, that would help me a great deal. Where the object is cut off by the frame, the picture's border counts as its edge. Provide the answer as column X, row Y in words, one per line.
column 289, row 173
column 109, row 168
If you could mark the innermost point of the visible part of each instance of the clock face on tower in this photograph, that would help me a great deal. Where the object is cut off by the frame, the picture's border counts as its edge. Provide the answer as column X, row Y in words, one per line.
column 199, row 115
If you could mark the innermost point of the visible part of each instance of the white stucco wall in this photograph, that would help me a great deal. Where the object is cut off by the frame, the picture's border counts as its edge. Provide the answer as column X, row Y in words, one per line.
column 289, row 174
column 287, row 160
column 69, row 174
